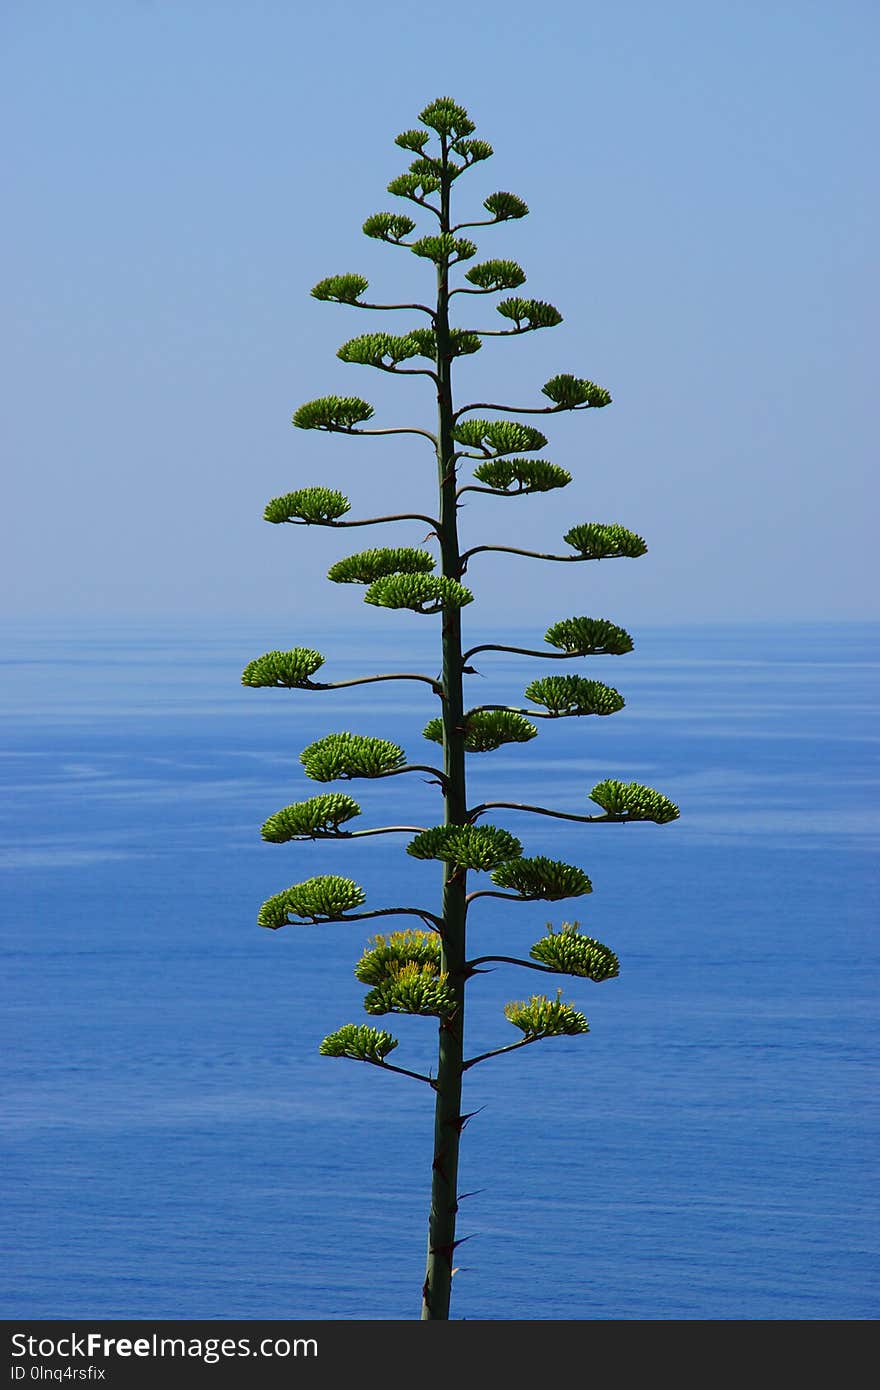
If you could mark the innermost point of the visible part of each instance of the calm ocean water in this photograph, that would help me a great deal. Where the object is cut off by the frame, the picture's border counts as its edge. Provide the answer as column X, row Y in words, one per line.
column 176, row 1148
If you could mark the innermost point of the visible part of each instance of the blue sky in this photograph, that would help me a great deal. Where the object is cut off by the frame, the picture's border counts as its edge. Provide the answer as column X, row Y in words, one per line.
column 703, row 198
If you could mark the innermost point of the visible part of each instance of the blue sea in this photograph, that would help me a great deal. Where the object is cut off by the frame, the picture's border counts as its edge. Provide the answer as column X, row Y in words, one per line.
column 174, row 1145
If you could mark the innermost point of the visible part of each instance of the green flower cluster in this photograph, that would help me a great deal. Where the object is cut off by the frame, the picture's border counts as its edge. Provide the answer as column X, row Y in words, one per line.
column 514, row 476
column 466, row 846
column 290, row 670
column 315, row 505
column 332, row 413
column 411, row 988
column 346, row 755
column 370, row 565
column 504, row 207
column 632, row 801
column 444, row 248
column 572, row 954
column 496, row 437
column 389, row 226
column 588, row 637
column 305, row 820
column 378, row 349
column 486, row 730
column 563, row 695
column 540, row 1017
column 572, row 391
column 388, row 953
column 358, row 1041
column 542, row 879
column 529, row 313
column 496, row 275
column 341, row 289
column 605, row 541
column 421, row 593
column 322, row 899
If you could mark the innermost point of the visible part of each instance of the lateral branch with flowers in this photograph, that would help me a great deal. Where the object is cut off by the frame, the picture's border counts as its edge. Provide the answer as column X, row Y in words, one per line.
column 424, row 969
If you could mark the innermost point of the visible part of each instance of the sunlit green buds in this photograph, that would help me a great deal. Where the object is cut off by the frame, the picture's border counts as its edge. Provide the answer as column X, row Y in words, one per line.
column 573, row 391
column 588, row 637
column 473, row 151
column 370, row 565
column 572, row 954
column 544, row 879
column 605, row 541
column 504, row 206
column 382, row 959
column 341, row 289
column 412, row 989
column 563, row 695
column 312, row 819
column 323, row 899
column 359, row 1042
column 421, row 593
column 514, row 476
column 529, row 313
column 446, row 117
column 291, row 670
column 461, row 342
column 415, row 186
column 496, row 437
column 632, row 801
column 378, row 349
column 332, row 413
column 414, row 140
column 466, row 846
column 444, row 249
column 496, row 275
column 345, row 755
column 540, row 1017
column 318, row 506
column 388, row 226
column 486, row 730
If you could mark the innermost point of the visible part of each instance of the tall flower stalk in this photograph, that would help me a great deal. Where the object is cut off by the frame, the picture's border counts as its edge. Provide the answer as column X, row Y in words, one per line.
column 424, row 969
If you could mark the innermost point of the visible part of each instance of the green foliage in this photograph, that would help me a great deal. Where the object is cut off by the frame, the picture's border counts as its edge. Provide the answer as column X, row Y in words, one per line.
column 304, row 820
column 504, row 207
column 322, row 899
column 466, row 846
column 572, row 391
column 358, row 1041
column 370, row 565
column 588, row 637
column 496, row 437
column 414, row 140
column 415, row 186
column 444, row 249
column 572, row 954
column 319, row 506
column 632, row 801
column 341, row 289
column 563, row 695
column 496, row 275
column 346, row 755
column 378, row 349
column 529, row 314
column 544, row 879
column 473, row 151
column 291, row 670
column 515, row 476
column 421, row 593
column 540, row 1017
column 412, row 988
column 448, row 118
column 461, row 342
column 387, row 953
column 605, row 541
column 332, row 413
column 389, row 226
column 485, row 730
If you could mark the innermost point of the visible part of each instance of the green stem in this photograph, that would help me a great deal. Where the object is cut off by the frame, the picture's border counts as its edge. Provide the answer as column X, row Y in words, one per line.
column 448, row 1120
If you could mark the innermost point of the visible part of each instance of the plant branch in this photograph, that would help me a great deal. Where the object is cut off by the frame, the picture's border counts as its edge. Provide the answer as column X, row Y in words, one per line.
column 532, row 713
column 368, row 680
column 542, row 811
column 513, row 960
column 422, row 912
column 370, row 521
column 497, row 1052
column 521, row 651
column 426, row 434
column 402, row 1071
column 517, row 409
column 490, row 893
column 361, row 304
column 514, row 550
